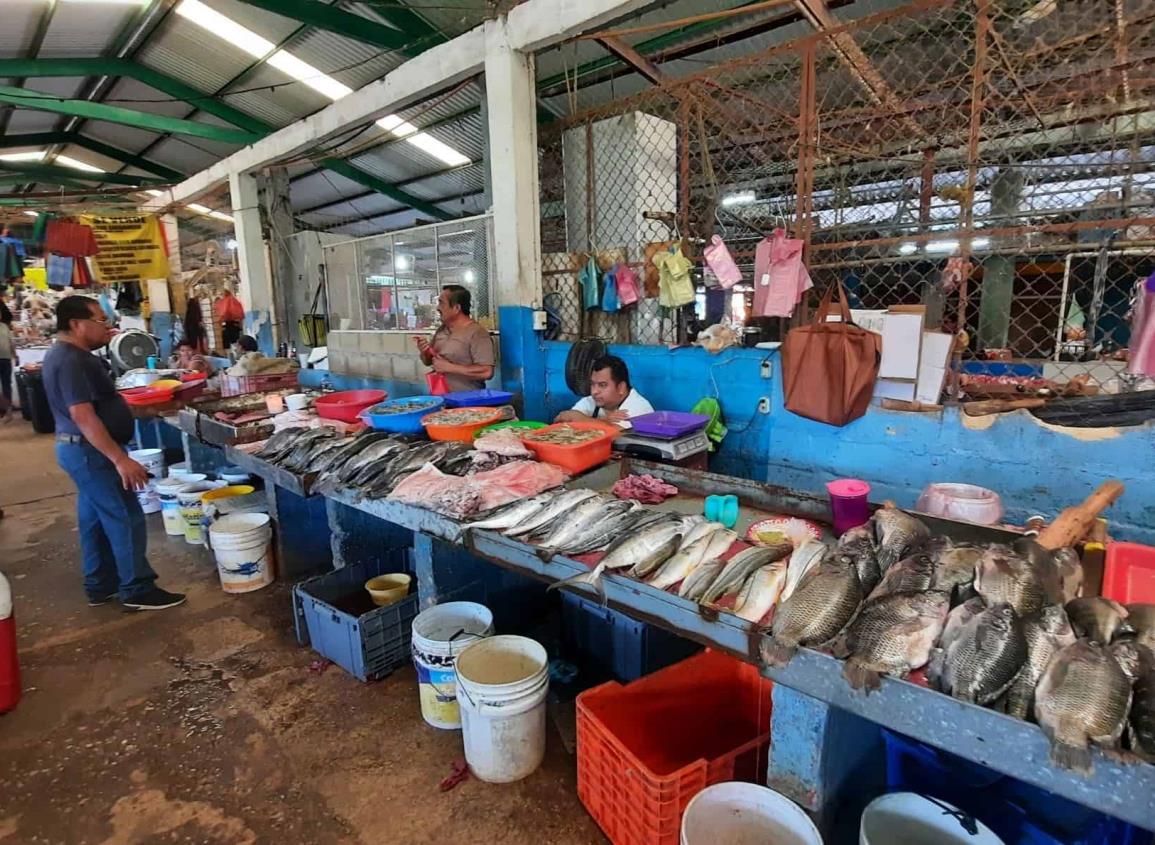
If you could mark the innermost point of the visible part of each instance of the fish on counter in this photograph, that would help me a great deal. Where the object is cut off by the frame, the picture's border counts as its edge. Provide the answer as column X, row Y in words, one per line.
column 1141, row 619
column 280, row 443
column 740, row 567
column 561, row 503
column 807, row 554
column 1098, row 619
column 983, row 658
column 647, row 548
column 698, row 581
column 891, row 635
column 897, row 534
column 1004, row 576
column 509, row 515
column 954, row 568
column 1141, row 721
column 824, row 602
column 913, row 574
column 708, row 546
column 1082, row 698
column 761, row 592
column 1047, row 633
column 579, row 523
column 605, row 532
column 858, row 544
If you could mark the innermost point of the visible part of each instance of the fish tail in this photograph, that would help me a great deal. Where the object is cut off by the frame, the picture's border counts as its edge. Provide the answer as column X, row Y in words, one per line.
column 861, row 678
column 545, row 555
column 593, row 578
column 776, row 653
column 1067, row 756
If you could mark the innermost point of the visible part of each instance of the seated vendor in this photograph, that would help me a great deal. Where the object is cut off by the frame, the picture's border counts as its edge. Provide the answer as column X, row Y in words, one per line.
column 187, row 358
column 611, row 398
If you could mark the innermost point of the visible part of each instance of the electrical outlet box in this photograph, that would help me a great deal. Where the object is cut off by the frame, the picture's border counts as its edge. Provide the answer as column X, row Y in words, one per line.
column 539, row 321
column 764, row 405
column 767, row 368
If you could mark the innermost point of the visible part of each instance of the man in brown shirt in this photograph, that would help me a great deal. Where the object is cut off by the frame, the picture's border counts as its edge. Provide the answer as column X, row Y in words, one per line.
column 461, row 348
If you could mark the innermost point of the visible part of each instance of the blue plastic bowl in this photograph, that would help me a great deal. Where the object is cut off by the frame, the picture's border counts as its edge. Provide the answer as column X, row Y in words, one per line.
column 477, row 399
column 403, row 423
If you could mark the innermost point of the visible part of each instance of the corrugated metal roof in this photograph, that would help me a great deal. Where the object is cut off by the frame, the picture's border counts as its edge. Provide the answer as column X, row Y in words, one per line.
column 286, row 102
column 130, row 94
column 463, row 180
column 397, row 166
column 81, row 29
column 354, row 63
column 181, row 155
column 186, row 52
column 20, row 20
column 268, row 25
column 125, row 137
column 321, row 187
column 370, row 206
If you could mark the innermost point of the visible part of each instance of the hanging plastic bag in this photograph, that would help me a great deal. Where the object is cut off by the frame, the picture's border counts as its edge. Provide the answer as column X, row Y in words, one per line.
column 610, row 303
column 589, row 282
column 674, row 286
column 627, row 284
column 720, row 261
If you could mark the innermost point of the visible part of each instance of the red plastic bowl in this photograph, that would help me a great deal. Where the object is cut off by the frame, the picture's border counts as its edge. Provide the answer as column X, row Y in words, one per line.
column 347, row 405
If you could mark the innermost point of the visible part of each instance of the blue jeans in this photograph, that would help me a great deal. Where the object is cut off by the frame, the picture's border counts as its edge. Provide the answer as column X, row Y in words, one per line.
column 113, row 534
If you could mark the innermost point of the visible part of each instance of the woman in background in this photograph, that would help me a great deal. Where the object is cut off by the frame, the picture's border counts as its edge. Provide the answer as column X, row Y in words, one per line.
column 194, row 327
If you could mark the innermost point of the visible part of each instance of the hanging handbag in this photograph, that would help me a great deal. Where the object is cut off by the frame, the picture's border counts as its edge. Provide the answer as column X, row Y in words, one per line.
column 829, row 369
column 719, row 260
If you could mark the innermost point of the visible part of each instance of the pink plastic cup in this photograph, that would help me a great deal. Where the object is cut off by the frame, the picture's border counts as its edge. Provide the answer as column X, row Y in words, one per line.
column 848, row 502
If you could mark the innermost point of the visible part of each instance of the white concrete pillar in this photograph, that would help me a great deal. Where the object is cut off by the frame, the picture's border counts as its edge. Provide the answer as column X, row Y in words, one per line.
column 256, row 289
column 511, row 106
column 171, row 230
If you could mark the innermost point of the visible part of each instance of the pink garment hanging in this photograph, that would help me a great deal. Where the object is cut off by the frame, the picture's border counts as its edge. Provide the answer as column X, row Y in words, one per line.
column 1141, row 357
column 780, row 277
column 718, row 258
column 627, row 282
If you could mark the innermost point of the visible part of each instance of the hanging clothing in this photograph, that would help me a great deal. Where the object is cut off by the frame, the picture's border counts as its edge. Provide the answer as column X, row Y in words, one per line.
column 610, row 303
column 627, row 282
column 15, row 243
column 72, row 239
column 674, row 286
column 780, row 277
column 59, row 269
column 11, row 267
column 588, row 277
column 719, row 260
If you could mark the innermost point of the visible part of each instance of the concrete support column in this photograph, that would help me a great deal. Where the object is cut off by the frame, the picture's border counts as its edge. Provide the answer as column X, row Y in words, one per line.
column 510, row 98
column 277, row 214
column 256, row 291
column 171, row 229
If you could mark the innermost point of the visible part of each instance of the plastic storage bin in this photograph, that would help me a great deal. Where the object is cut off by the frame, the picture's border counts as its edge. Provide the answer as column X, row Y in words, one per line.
column 1018, row 813
column 645, row 749
column 460, row 433
column 403, row 423
column 607, row 644
column 347, row 405
column 1129, row 573
column 335, row 615
column 477, row 398
column 579, row 457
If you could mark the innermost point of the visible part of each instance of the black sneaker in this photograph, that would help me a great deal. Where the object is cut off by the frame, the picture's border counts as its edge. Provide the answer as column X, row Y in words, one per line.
column 99, row 601
column 155, row 599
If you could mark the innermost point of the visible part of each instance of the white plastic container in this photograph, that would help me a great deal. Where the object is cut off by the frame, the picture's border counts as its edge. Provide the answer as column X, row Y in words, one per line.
column 965, row 502
column 166, row 490
column 440, row 634
column 502, row 683
column 914, row 819
column 153, row 462
column 242, row 543
column 296, row 401
column 192, row 511
column 737, row 813
column 178, row 470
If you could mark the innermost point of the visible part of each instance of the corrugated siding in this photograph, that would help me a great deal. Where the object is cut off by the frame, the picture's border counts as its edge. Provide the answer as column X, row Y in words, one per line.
column 20, row 20
column 354, row 63
column 125, row 137
column 186, row 52
column 80, row 29
column 182, row 156
column 130, row 94
column 321, row 187
column 289, row 101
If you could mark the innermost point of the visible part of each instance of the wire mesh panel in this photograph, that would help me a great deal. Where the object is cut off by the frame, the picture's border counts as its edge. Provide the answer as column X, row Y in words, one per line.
column 990, row 160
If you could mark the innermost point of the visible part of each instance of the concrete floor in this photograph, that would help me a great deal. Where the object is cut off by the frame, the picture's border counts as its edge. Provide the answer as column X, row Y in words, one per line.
column 204, row 724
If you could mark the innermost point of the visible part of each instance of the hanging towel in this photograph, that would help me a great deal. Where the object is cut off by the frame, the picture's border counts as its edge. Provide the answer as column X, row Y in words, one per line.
column 15, row 243
column 610, row 302
column 627, row 282
column 780, row 277
column 674, row 286
column 591, row 296
column 719, row 260
column 72, row 239
column 59, row 271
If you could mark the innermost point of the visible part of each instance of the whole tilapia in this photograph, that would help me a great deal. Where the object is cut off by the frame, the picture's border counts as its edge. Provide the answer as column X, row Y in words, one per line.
column 280, row 443
column 761, row 592
column 511, row 514
column 914, row 574
column 891, row 635
column 954, row 567
column 858, row 544
column 1065, row 562
column 655, row 542
column 956, row 622
column 1004, row 576
column 741, row 566
column 1098, row 619
column 688, row 558
column 819, row 608
column 805, row 557
column 1141, row 618
column 698, row 581
column 1082, row 698
column 897, row 534
column 1131, row 657
column 560, row 504
column 984, row 657
column 1141, row 730
column 1047, row 633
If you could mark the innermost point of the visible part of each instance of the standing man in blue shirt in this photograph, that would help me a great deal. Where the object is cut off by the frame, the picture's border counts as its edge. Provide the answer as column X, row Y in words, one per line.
column 93, row 424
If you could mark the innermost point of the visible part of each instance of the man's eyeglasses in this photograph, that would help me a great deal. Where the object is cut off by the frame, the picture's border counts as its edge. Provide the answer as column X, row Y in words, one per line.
column 102, row 320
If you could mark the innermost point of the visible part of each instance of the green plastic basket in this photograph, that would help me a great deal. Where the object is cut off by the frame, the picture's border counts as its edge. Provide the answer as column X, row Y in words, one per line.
column 527, row 425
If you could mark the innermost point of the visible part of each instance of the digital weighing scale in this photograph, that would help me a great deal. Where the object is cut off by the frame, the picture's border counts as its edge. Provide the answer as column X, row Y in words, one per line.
column 677, row 449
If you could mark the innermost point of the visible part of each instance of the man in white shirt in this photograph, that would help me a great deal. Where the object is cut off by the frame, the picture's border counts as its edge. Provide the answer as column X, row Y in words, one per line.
column 611, row 398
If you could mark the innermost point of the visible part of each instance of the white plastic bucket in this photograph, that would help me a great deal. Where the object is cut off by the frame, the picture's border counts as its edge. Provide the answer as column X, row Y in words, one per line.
column 440, row 634
column 242, row 543
column 166, row 490
column 153, row 462
column 192, row 511
column 502, row 684
column 914, row 819
column 747, row 814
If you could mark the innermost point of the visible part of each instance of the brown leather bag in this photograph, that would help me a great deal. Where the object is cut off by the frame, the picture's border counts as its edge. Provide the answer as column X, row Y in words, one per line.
column 829, row 369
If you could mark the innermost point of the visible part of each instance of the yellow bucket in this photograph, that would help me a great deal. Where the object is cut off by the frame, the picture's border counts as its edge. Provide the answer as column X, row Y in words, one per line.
column 227, row 492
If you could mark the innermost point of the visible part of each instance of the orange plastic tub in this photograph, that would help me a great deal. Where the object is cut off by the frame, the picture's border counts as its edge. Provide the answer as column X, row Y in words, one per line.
column 646, row 748
column 580, row 456
column 460, row 433
column 1129, row 573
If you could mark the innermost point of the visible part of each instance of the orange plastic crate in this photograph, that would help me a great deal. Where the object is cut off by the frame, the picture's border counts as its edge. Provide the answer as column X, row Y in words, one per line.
column 646, row 748
column 1129, row 574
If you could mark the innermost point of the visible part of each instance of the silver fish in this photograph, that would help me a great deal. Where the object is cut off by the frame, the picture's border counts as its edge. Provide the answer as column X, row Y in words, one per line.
column 741, row 566
column 374, row 452
column 280, row 442
column 304, row 446
column 761, row 592
column 655, row 542
column 985, row 656
column 1047, row 633
column 688, row 558
column 580, row 521
column 804, row 558
column 1002, row 575
column 698, row 531
column 897, row 534
column 353, row 448
column 562, row 503
column 858, row 544
column 604, row 533
column 1098, row 619
column 824, row 602
column 914, row 574
column 891, row 635
column 698, row 581
column 323, row 455
column 510, row 515
column 1082, row 698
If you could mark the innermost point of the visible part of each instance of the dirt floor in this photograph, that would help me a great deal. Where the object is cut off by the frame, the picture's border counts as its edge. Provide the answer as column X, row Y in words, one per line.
column 205, row 723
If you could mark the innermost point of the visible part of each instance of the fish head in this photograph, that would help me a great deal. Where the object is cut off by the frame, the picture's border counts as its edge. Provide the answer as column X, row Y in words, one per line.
column 1001, row 617
column 859, row 534
column 1129, row 655
column 1053, row 619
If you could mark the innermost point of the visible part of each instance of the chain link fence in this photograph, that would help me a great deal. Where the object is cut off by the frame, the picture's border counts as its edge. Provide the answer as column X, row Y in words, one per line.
column 991, row 160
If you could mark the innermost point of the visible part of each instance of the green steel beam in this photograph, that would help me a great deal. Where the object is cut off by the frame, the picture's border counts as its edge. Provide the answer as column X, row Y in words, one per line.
column 44, row 139
column 52, row 173
column 42, row 101
column 412, row 24
column 343, row 168
column 125, row 68
column 336, row 20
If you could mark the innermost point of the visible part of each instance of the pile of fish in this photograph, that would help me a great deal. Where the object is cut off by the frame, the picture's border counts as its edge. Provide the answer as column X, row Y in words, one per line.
column 371, row 463
column 995, row 625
